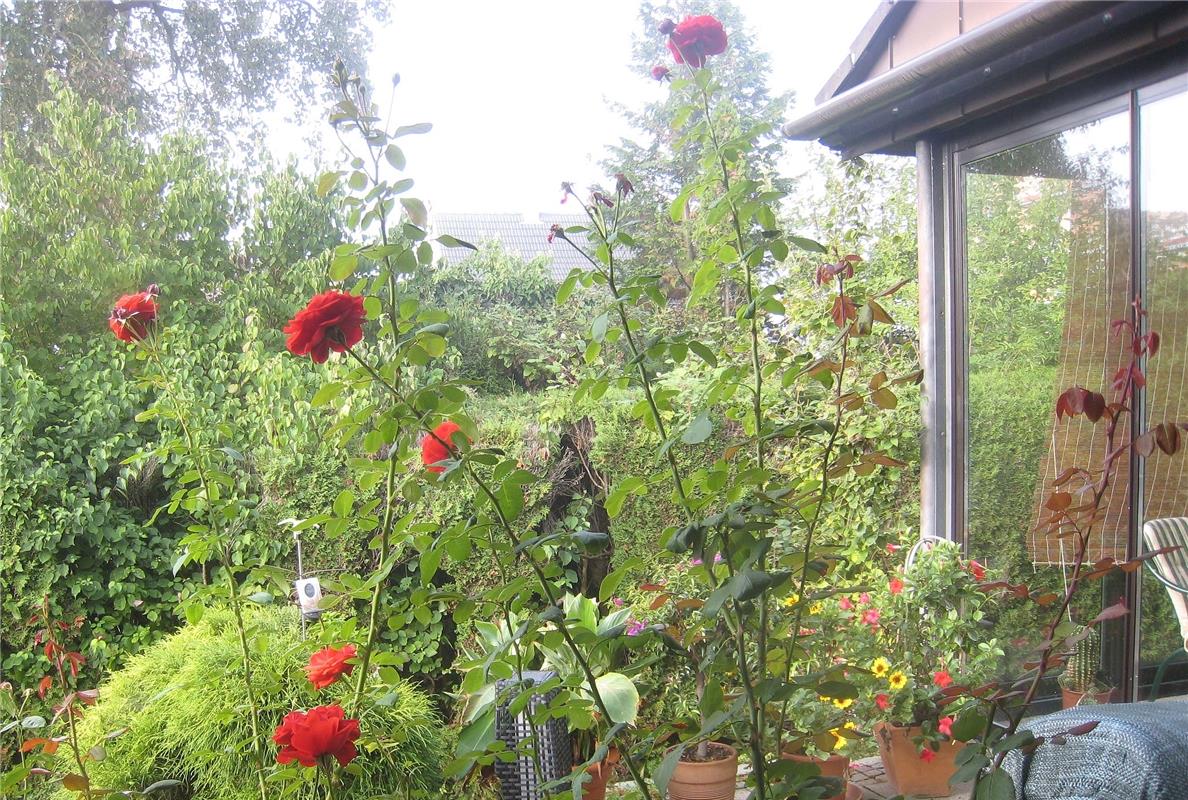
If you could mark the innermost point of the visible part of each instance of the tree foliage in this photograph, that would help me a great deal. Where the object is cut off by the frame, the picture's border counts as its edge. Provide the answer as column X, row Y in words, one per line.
column 205, row 63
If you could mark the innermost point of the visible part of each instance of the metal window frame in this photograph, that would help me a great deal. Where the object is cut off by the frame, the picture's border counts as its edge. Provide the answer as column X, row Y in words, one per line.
column 944, row 294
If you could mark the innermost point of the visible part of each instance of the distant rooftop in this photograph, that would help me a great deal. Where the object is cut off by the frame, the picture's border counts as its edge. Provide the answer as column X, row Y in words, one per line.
column 525, row 239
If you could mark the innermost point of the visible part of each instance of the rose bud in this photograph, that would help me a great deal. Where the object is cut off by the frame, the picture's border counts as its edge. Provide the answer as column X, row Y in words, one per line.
column 660, row 72
column 666, row 27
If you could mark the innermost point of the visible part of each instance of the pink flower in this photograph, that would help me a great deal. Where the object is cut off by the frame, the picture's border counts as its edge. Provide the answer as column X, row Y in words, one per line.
column 661, row 72
column 895, row 586
column 945, row 726
column 717, row 558
column 871, row 617
column 846, row 604
column 882, row 701
column 697, row 562
column 942, row 679
column 617, row 602
column 635, row 627
column 892, row 547
column 864, row 598
column 926, row 754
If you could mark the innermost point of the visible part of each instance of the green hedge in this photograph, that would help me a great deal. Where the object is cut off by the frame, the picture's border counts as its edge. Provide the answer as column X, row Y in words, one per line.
column 183, row 704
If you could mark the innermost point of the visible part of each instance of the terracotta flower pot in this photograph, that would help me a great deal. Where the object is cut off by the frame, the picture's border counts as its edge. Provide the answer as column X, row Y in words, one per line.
column 706, row 780
column 1071, row 699
column 831, row 767
column 909, row 773
column 595, row 788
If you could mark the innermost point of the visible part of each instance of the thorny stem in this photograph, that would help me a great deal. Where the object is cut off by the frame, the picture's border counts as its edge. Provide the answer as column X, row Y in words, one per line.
column 228, row 566
column 1099, row 491
column 68, row 701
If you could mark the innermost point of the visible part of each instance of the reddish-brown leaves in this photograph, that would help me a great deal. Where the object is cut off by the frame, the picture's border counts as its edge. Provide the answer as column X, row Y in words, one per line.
column 1166, row 436
column 843, row 310
column 1079, row 400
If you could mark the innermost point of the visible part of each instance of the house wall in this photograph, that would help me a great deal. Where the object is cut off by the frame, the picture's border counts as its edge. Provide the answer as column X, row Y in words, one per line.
column 931, row 23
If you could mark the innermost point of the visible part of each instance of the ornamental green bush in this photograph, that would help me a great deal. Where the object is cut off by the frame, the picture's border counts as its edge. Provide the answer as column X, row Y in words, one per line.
column 182, row 702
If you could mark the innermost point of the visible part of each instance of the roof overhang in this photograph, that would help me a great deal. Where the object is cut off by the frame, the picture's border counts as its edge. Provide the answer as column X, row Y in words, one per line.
column 1025, row 53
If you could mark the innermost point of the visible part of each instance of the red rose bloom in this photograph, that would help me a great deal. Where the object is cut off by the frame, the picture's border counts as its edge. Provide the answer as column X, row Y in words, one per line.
column 132, row 314
column 695, row 38
column 433, row 451
column 332, row 321
column 329, row 664
column 927, row 754
column 306, row 736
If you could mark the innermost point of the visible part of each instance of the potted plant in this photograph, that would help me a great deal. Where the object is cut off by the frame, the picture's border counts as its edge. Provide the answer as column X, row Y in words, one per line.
column 600, row 638
column 823, row 733
column 1081, row 682
column 925, row 626
column 702, row 769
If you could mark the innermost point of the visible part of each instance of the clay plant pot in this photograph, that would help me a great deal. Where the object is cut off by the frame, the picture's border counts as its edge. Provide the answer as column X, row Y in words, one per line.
column 909, row 773
column 831, row 767
column 1071, row 699
column 706, row 780
column 595, row 788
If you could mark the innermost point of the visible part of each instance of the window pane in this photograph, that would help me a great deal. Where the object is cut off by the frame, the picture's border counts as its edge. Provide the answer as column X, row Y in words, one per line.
column 1164, row 192
column 1048, row 249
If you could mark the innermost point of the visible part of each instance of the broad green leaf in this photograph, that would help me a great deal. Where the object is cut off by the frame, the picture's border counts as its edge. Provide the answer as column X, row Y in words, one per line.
column 395, row 156
column 343, row 267
column 619, row 695
column 453, row 241
column 668, row 765
column 996, row 785
column 416, row 210
column 405, row 130
column 699, row 429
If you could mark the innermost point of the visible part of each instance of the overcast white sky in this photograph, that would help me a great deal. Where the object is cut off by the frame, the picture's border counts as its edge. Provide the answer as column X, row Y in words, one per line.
column 517, row 91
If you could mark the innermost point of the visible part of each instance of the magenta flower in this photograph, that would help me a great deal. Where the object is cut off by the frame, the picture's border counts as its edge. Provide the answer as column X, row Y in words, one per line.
column 636, row 627
column 846, row 604
column 617, row 602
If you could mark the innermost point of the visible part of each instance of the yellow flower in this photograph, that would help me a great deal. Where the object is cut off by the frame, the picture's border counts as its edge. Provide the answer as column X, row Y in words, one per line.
column 816, row 608
column 897, row 680
column 791, row 600
column 840, row 741
column 843, row 702
column 880, row 667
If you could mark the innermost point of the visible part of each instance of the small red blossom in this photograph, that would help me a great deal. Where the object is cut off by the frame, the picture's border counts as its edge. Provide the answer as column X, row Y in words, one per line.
column 942, row 679
column 871, row 617
column 892, row 547
column 864, row 598
column 661, row 73
column 695, row 38
column 307, row 736
column 332, row 320
column 883, row 701
column 622, row 185
column 895, row 586
column 434, row 449
column 927, row 754
column 945, row 726
column 977, row 570
column 133, row 314
column 554, row 232
column 846, row 604
column 329, row 664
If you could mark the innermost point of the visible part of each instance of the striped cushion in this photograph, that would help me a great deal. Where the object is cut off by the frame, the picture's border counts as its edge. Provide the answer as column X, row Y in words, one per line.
column 1171, row 532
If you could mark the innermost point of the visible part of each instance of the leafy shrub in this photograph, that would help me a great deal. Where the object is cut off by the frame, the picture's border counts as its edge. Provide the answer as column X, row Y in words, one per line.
column 182, row 703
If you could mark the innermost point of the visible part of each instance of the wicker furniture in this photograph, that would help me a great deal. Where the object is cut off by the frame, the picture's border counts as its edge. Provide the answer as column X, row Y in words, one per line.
column 1171, row 570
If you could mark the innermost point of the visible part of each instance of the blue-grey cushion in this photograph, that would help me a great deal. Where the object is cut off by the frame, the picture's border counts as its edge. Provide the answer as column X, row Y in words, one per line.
column 1138, row 751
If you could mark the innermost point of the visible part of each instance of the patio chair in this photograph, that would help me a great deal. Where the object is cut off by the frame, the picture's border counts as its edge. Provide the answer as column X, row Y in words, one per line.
column 1138, row 751
column 1170, row 569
